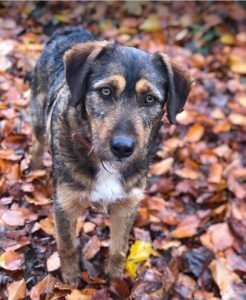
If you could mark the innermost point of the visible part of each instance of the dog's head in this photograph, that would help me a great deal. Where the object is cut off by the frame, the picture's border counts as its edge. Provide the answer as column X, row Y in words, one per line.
column 122, row 92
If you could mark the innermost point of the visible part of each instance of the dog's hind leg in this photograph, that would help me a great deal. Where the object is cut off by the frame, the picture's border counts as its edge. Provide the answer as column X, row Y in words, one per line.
column 37, row 111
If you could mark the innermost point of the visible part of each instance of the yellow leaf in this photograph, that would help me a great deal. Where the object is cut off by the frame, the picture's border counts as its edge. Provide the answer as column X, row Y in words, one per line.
column 151, row 24
column 227, row 39
column 61, row 18
column 239, row 67
column 237, row 64
column 139, row 252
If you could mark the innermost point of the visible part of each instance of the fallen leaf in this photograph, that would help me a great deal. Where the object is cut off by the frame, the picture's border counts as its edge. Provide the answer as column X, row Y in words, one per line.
column 236, row 188
column 215, row 173
column 139, row 252
column 188, row 173
column 196, row 260
column 218, row 237
column 36, row 174
column 162, row 167
column 86, row 294
column 187, row 227
column 237, row 119
column 88, row 227
column 151, row 24
column 11, row 261
column 198, row 61
column 17, row 290
column 236, row 262
column 223, row 126
column 46, row 287
column 227, row 39
column 53, row 262
column 9, row 154
column 47, row 226
column 91, row 248
column 13, row 218
column 224, row 278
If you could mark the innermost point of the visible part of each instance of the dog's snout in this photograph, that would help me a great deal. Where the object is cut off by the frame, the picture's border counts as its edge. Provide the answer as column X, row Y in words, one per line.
column 122, row 146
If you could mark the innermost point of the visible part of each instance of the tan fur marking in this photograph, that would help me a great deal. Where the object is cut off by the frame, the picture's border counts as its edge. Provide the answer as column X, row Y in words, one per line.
column 117, row 81
column 143, row 86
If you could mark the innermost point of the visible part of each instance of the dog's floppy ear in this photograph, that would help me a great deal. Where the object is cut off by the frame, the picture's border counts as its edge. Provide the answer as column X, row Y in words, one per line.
column 77, row 62
column 179, row 85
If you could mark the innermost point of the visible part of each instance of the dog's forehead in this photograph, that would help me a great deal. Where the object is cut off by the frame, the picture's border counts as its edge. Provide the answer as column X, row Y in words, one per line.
column 130, row 63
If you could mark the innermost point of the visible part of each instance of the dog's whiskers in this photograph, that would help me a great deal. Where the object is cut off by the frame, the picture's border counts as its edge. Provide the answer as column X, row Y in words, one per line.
column 105, row 167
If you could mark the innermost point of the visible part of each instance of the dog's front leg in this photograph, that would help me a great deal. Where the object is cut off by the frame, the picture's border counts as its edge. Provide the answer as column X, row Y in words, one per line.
column 122, row 216
column 65, row 221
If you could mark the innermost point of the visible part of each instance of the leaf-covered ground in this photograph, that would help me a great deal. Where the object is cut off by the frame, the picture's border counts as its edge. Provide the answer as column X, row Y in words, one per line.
column 188, row 241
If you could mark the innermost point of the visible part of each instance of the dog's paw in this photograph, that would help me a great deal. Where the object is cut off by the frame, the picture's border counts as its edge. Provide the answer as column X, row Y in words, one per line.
column 73, row 278
column 116, row 265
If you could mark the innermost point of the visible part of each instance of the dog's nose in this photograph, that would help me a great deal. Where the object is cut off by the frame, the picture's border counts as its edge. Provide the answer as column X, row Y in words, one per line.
column 122, row 146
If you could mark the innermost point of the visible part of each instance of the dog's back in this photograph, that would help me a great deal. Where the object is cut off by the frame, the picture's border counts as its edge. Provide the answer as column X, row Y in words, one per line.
column 49, row 72
column 50, row 63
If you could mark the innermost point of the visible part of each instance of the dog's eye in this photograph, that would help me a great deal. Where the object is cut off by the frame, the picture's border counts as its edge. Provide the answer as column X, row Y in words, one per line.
column 149, row 99
column 106, row 91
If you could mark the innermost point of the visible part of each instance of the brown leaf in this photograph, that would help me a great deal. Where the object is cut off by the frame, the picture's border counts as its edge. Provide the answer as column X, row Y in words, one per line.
column 162, row 167
column 17, row 290
column 36, row 174
column 195, row 133
column 236, row 188
column 218, row 237
column 188, row 173
column 53, row 262
column 9, row 154
column 46, row 287
column 91, row 248
column 88, row 227
column 224, row 278
column 223, row 126
column 15, row 142
column 13, row 218
column 236, row 262
column 215, row 173
column 187, row 227
column 47, row 226
column 11, row 261
column 86, row 294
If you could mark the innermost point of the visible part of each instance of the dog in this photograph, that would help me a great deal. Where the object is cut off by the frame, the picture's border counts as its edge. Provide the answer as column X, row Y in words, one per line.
column 99, row 105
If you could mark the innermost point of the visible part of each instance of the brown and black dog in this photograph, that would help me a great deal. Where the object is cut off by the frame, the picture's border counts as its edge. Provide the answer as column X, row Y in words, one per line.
column 100, row 106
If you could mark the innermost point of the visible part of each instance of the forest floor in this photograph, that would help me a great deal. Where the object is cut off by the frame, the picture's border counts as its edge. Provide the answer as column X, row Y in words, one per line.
column 188, row 241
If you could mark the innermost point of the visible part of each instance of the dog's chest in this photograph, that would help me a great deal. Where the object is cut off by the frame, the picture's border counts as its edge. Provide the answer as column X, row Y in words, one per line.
column 108, row 187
